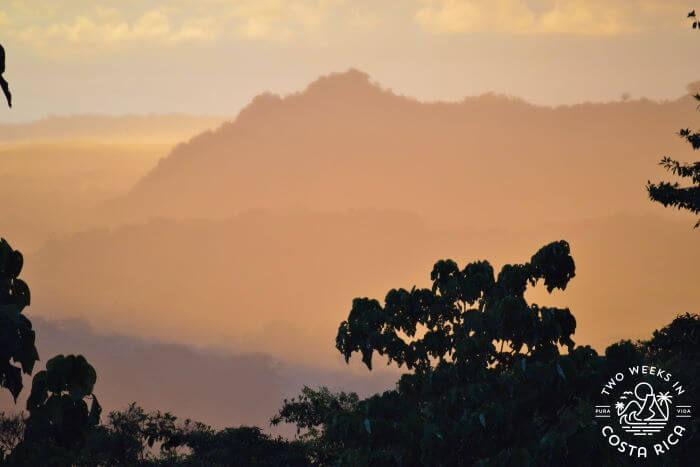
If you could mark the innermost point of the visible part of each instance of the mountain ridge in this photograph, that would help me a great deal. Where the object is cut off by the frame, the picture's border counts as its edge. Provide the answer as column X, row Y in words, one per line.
column 338, row 142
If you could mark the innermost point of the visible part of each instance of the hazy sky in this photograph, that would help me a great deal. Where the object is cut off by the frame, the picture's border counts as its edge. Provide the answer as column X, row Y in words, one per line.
column 213, row 56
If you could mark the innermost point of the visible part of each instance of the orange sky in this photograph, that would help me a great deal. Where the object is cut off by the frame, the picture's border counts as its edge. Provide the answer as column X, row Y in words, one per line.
column 211, row 56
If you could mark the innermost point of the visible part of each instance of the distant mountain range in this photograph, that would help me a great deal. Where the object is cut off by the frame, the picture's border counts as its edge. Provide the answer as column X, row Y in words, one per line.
column 345, row 142
column 110, row 129
column 218, row 388
column 281, row 283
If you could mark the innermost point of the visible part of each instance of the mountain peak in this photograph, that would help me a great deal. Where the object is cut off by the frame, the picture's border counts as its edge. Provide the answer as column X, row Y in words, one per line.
column 342, row 141
column 350, row 79
column 346, row 86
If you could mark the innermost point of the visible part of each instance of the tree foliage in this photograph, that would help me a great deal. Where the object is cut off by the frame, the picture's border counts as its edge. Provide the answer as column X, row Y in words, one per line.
column 487, row 382
column 673, row 194
column 309, row 412
column 11, row 432
column 18, row 352
column 244, row 446
column 134, row 437
column 466, row 318
column 59, row 419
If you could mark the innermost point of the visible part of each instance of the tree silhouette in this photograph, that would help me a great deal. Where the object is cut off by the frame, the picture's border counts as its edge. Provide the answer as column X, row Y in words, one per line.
column 454, row 332
column 11, row 433
column 487, row 382
column 309, row 412
column 59, row 418
column 673, row 194
column 136, row 437
column 17, row 349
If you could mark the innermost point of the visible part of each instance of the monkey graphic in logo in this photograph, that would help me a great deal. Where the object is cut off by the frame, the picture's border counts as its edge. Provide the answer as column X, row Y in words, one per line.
column 643, row 412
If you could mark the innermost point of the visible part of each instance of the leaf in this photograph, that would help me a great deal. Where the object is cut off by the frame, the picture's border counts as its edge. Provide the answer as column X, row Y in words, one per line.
column 39, row 391
column 20, row 293
column 27, row 354
column 95, row 411
column 11, row 378
column 4, row 251
column 14, row 264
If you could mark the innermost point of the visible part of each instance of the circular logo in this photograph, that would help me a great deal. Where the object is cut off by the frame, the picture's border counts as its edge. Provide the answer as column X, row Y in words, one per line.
column 643, row 411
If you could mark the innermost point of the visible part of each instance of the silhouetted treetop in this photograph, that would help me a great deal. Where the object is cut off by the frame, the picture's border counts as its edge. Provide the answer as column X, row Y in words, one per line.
column 463, row 314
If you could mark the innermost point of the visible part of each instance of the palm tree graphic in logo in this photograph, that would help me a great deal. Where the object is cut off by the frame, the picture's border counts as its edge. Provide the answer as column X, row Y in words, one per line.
column 643, row 412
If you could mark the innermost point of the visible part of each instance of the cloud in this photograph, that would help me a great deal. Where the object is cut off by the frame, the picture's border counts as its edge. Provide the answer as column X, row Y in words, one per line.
column 103, row 28
column 280, row 20
column 83, row 27
column 363, row 19
column 570, row 17
column 152, row 24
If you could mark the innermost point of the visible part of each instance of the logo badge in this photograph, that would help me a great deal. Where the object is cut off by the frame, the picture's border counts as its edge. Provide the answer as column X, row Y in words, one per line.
column 643, row 411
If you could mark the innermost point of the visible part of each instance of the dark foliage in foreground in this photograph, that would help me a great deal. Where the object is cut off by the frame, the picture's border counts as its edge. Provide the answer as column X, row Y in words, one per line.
column 486, row 384
column 59, row 418
column 17, row 350
column 134, row 437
